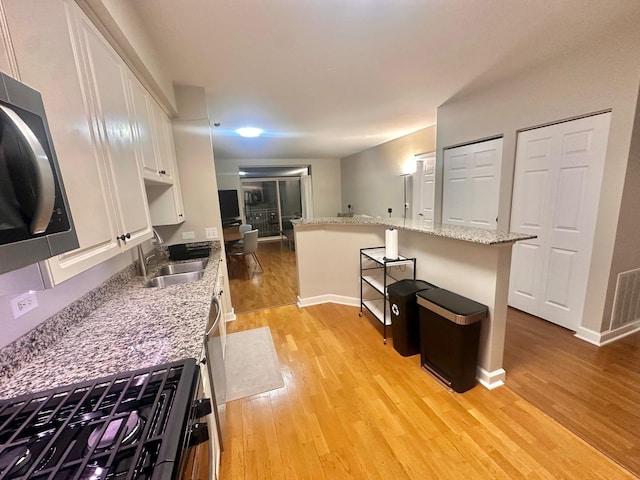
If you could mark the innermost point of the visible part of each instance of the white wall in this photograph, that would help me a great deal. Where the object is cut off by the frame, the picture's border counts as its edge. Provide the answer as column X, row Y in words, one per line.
column 371, row 181
column 53, row 300
column 325, row 175
column 603, row 74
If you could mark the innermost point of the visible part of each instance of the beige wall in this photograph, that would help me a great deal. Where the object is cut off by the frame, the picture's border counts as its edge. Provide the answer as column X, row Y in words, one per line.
column 600, row 76
column 196, row 169
column 371, row 181
column 626, row 254
column 325, row 177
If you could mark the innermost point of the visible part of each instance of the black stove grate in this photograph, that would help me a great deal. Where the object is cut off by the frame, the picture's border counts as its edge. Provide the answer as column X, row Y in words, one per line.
column 126, row 426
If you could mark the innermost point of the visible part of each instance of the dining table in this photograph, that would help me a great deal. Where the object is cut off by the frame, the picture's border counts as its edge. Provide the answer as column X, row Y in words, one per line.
column 231, row 235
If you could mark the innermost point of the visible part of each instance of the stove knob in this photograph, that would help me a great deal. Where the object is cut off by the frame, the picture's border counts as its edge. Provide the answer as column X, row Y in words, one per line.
column 199, row 434
column 201, row 408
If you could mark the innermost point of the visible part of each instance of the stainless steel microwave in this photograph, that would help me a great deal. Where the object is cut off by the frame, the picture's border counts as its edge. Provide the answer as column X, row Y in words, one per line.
column 35, row 219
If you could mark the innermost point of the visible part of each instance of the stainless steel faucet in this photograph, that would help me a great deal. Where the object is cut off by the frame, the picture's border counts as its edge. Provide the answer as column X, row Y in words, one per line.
column 143, row 261
column 156, row 236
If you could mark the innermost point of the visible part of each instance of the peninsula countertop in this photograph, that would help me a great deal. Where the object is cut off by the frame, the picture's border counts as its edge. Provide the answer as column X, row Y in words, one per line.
column 134, row 328
column 455, row 232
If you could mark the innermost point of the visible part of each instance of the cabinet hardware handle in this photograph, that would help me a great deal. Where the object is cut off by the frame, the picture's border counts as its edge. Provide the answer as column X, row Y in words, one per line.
column 179, row 214
column 124, row 237
column 162, row 172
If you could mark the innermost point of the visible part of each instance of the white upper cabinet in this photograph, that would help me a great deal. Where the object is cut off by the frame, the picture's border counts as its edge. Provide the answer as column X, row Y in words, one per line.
column 7, row 57
column 163, row 140
column 164, row 193
column 85, row 91
column 106, row 80
column 143, row 126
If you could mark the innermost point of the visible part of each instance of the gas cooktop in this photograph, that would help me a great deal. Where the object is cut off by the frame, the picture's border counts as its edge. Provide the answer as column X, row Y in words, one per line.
column 130, row 425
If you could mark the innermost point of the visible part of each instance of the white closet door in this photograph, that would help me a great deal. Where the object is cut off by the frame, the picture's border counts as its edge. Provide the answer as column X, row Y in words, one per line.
column 424, row 192
column 558, row 175
column 471, row 184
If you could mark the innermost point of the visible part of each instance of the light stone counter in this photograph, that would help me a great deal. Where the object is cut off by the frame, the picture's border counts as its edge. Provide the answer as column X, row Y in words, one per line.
column 455, row 232
column 119, row 326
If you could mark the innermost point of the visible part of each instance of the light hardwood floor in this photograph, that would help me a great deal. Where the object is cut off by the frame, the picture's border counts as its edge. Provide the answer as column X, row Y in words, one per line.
column 352, row 407
column 276, row 285
column 593, row 391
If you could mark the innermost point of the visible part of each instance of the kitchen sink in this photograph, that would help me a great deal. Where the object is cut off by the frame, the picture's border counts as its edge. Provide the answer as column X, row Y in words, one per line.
column 174, row 279
column 175, row 268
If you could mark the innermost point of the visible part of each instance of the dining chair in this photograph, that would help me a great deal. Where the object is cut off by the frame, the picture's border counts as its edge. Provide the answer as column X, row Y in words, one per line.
column 249, row 247
column 244, row 228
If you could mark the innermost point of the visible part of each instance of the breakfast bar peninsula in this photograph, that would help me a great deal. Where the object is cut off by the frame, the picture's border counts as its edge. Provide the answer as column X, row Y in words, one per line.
column 471, row 262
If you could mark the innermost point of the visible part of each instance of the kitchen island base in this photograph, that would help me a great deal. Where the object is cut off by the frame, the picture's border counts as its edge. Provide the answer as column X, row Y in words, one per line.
column 475, row 264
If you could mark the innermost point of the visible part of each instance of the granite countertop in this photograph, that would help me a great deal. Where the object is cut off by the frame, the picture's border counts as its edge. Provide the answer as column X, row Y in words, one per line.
column 455, row 232
column 135, row 327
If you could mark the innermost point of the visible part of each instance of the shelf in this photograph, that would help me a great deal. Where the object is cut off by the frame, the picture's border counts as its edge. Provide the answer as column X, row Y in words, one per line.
column 377, row 272
column 377, row 255
column 376, row 280
column 376, row 308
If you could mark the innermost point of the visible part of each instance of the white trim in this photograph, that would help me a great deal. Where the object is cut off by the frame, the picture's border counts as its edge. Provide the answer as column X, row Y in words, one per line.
column 329, row 298
column 600, row 339
column 230, row 316
column 490, row 380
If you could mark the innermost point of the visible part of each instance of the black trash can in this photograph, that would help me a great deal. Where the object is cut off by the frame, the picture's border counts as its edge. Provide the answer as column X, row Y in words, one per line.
column 404, row 314
column 450, row 336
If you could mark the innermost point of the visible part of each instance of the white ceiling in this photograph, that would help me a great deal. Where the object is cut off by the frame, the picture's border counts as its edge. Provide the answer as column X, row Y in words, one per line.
column 328, row 78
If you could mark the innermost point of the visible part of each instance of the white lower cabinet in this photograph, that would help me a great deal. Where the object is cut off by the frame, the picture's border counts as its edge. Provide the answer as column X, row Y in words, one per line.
column 85, row 91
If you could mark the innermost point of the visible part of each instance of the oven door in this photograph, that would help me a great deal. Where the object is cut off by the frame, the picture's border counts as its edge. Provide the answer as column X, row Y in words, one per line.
column 202, row 456
column 216, row 380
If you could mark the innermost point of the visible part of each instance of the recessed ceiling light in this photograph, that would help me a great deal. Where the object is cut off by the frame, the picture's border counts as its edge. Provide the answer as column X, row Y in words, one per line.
column 249, row 132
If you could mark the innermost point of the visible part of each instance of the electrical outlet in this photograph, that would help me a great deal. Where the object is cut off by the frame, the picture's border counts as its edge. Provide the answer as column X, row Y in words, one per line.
column 188, row 235
column 211, row 233
column 23, row 303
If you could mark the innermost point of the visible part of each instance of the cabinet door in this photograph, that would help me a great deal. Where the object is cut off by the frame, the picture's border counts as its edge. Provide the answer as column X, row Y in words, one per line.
column 108, row 85
column 142, row 124
column 221, row 290
column 165, row 153
column 165, row 199
column 7, row 57
column 165, row 204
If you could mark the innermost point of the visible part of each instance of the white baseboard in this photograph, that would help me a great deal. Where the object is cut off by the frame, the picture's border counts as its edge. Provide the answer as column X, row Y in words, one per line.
column 230, row 316
column 490, row 380
column 602, row 338
column 307, row 302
